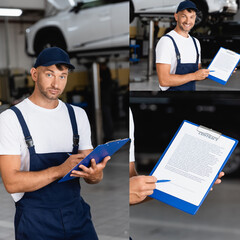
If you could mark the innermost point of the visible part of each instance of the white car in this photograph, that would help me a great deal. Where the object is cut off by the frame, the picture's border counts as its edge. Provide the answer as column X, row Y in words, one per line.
column 168, row 7
column 91, row 25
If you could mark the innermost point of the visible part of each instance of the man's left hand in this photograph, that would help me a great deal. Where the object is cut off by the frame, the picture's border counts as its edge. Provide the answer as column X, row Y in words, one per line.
column 218, row 181
column 92, row 174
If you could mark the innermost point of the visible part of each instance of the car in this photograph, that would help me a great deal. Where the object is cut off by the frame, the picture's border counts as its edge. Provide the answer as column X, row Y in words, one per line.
column 88, row 26
column 157, row 116
column 209, row 9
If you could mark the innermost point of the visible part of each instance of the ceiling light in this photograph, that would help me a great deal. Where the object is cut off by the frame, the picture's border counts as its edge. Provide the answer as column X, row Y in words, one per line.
column 72, row 2
column 10, row 12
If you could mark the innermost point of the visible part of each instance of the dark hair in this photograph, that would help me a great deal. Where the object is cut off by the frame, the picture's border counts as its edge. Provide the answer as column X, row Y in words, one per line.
column 191, row 9
column 60, row 66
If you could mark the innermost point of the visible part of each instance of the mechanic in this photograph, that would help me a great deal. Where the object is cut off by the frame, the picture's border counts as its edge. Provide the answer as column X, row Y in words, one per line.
column 41, row 140
column 178, row 58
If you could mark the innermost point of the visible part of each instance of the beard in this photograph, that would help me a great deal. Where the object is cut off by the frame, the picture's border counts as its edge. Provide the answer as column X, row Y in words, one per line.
column 181, row 26
column 46, row 92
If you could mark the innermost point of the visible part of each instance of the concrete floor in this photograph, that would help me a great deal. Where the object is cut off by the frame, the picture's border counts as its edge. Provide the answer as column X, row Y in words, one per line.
column 108, row 200
column 140, row 82
column 217, row 219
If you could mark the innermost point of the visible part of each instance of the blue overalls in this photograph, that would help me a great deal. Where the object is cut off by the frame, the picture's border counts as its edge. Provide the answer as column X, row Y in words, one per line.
column 56, row 211
column 184, row 68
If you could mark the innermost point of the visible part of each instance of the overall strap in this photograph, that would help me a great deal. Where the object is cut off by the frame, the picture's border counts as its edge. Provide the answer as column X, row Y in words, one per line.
column 26, row 133
column 74, row 128
column 195, row 44
column 176, row 48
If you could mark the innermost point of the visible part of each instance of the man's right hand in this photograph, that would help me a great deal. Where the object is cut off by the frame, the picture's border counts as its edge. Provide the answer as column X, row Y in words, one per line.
column 140, row 187
column 70, row 163
column 201, row 74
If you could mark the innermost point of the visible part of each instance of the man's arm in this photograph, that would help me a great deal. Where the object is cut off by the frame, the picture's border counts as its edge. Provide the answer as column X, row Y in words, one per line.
column 27, row 181
column 171, row 80
column 93, row 174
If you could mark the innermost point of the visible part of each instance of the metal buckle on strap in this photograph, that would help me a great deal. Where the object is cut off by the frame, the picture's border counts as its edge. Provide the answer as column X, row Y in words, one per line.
column 29, row 141
column 75, row 140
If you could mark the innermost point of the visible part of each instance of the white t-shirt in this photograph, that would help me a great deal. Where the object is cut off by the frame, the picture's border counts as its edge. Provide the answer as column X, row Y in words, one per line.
column 50, row 129
column 165, row 51
column 131, row 135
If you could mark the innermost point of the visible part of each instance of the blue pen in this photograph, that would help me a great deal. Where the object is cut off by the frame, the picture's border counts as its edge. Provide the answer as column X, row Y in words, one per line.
column 158, row 181
column 69, row 154
column 212, row 70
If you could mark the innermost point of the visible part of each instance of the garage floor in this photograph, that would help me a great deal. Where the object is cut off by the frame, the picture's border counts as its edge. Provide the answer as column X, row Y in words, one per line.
column 140, row 82
column 108, row 200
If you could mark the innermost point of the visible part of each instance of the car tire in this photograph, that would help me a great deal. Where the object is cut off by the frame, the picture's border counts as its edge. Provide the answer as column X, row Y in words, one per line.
column 203, row 12
column 47, row 38
column 131, row 15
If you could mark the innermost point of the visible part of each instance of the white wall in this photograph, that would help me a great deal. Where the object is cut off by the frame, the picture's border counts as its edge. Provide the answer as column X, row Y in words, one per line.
column 16, row 46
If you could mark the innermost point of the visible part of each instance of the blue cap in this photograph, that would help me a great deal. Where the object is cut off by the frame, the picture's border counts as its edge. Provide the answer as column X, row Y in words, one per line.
column 186, row 5
column 51, row 56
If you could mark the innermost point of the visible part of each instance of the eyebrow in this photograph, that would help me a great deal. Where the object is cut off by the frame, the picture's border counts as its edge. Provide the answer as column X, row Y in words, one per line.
column 49, row 70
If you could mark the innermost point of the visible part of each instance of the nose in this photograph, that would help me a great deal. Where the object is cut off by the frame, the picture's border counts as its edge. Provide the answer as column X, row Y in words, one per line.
column 55, row 83
column 187, row 19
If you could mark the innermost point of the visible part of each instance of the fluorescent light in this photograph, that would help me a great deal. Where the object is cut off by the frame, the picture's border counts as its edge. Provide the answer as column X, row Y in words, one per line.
column 10, row 12
column 72, row 2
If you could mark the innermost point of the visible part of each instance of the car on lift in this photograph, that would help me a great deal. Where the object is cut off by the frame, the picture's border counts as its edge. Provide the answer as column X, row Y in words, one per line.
column 208, row 10
column 88, row 26
column 157, row 116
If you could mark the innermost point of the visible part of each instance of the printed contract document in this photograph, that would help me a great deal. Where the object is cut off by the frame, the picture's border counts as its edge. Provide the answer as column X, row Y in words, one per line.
column 192, row 162
column 223, row 65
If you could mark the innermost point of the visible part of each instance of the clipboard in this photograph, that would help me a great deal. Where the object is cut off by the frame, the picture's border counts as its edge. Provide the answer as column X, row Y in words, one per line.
column 99, row 153
column 217, row 77
column 179, row 202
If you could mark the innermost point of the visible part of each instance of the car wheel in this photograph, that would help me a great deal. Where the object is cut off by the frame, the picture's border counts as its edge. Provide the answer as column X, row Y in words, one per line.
column 233, row 165
column 48, row 39
column 203, row 12
column 131, row 12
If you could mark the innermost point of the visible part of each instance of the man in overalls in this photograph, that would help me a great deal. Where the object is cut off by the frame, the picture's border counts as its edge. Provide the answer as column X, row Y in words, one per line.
column 178, row 59
column 41, row 140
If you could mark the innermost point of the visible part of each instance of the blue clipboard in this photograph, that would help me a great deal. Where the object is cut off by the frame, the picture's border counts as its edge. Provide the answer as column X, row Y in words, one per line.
column 177, row 202
column 99, row 153
column 218, row 79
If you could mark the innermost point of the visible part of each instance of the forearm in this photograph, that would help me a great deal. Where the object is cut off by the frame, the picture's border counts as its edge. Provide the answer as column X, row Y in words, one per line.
column 24, row 181
column 172, row 80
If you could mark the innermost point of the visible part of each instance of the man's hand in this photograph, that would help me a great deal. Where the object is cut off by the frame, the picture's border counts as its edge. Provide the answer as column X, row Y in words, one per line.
column 70, row 163
column 201, row 74
column 94, row 173
column 218, row 181
column 140, row 187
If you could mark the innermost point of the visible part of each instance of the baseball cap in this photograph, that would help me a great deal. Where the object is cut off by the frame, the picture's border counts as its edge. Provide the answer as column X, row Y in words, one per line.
column 51, row 56
column 185, row 5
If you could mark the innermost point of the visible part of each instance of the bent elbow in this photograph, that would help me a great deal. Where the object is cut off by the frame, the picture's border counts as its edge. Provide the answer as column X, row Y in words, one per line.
column 10, row 188
column 163, row 82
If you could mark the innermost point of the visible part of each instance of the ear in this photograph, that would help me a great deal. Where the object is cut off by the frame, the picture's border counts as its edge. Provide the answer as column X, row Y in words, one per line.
column 33, row 72
column 176, row 16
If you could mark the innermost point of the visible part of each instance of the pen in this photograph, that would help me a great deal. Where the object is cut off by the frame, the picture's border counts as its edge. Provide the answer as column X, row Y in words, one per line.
column 212, row 70
column 158, row 181
column 69, row 154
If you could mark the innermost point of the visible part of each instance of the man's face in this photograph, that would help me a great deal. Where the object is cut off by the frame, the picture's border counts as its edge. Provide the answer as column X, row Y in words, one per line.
column 50, row 81
column 185, row 20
